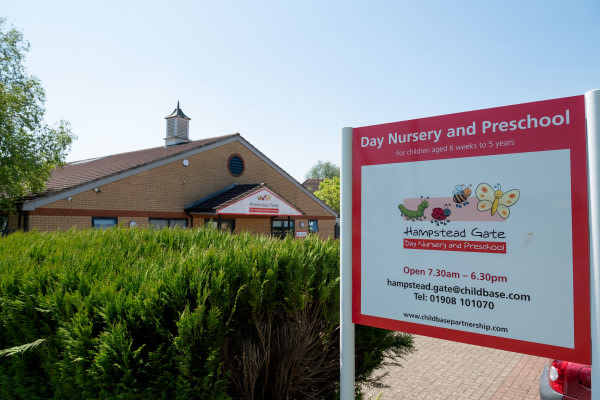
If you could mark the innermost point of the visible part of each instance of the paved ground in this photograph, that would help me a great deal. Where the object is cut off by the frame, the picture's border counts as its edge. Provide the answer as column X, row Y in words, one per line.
column 444, row 370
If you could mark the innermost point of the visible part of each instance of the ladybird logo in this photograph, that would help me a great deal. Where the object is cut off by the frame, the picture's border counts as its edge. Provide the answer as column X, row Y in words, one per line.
column 264, row 197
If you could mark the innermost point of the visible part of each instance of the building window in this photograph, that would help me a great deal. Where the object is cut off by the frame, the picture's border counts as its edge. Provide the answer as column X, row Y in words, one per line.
column 160, row 223
column 103, row 222
column 235, row 165
column 282, row 227
column 313, row 225
column 227, row 225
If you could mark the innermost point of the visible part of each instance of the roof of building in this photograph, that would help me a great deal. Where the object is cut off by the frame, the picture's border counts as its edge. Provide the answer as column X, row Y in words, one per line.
column 312, row 184
column 79, row 172
column 75, row 177
column 224, row 197
column 177, row 113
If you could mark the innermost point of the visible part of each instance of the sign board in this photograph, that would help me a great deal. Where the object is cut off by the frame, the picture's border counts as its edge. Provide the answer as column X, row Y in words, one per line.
column 262, row 202
column 473, row 227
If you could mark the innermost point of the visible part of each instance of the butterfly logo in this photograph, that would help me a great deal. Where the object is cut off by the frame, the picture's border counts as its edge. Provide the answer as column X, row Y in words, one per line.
column 495, row 200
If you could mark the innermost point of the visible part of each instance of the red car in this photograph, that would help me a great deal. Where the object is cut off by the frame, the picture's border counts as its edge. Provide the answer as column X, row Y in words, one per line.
column 564, row 380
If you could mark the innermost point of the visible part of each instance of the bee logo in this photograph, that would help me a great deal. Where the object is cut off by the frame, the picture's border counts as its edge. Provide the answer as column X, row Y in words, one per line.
column 461, row 194
column 414, row 215
column 440, row 215
column 496, row 200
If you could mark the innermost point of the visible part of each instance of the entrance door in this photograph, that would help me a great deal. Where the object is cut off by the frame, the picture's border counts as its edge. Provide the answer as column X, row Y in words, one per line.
column 282, row 227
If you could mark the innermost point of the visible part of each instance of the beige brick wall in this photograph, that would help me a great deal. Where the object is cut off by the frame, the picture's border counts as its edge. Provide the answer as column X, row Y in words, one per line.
column 169, row 188
column 298, row 225
column 61, row 223
column 140, row 221
column 326, row 228
column 254, row 225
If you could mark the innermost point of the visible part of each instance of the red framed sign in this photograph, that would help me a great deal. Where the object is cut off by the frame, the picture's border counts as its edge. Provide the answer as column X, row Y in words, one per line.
column 261, row 202
column 473, row 227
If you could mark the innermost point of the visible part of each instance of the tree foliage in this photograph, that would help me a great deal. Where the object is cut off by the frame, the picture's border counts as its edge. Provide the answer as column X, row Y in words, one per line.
column 29, row 148
column 329, row 192
column 323, row 170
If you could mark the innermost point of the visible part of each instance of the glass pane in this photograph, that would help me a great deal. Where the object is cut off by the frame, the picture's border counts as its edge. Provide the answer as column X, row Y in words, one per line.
column 211, row 223
column 104, row 222
column 313, row 225
column 182, row 223
column 158, row 223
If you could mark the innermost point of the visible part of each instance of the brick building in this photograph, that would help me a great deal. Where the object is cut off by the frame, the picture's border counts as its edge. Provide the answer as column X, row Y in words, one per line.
column 223, row 181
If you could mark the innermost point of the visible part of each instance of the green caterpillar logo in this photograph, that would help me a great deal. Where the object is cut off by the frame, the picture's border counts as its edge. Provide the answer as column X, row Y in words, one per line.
column 415, row 215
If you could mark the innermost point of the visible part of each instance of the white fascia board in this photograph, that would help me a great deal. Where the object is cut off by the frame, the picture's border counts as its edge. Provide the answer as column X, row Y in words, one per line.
column 31, row 205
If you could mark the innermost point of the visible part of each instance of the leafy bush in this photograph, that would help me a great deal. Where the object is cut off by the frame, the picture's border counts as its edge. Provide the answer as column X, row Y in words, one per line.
column 187, row 314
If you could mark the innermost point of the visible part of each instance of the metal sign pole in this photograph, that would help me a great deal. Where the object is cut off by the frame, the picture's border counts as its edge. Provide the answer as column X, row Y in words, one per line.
column 592, row 114
column 346, row 325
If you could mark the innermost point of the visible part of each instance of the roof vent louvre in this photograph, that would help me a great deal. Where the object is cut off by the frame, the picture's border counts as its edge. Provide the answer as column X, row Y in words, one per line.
column 235, row 165
column 178, row 130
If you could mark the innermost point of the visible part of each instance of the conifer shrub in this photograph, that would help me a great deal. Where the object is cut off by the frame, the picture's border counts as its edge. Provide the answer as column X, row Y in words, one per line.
column 175, row 314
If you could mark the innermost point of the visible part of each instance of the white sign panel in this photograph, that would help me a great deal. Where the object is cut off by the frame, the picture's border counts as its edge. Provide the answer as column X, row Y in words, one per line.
column 262, row 202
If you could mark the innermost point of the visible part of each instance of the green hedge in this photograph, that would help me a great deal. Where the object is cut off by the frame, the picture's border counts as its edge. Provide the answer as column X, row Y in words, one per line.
column 187, row 314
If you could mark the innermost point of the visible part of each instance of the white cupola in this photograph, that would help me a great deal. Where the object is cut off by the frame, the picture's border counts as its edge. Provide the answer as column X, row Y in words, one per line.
column 178, row 130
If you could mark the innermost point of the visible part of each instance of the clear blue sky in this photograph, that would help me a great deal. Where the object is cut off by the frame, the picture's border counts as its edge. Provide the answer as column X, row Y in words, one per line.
column 288, row 75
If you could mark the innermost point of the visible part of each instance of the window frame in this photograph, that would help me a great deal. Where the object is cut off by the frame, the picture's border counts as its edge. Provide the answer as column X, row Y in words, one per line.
column 214, row 223
column 105, row 226
column 168, row 223
column 283, row 230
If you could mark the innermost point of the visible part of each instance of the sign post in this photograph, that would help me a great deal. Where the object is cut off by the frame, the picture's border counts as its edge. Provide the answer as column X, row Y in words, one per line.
column 346, row 325
column 592, row 110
